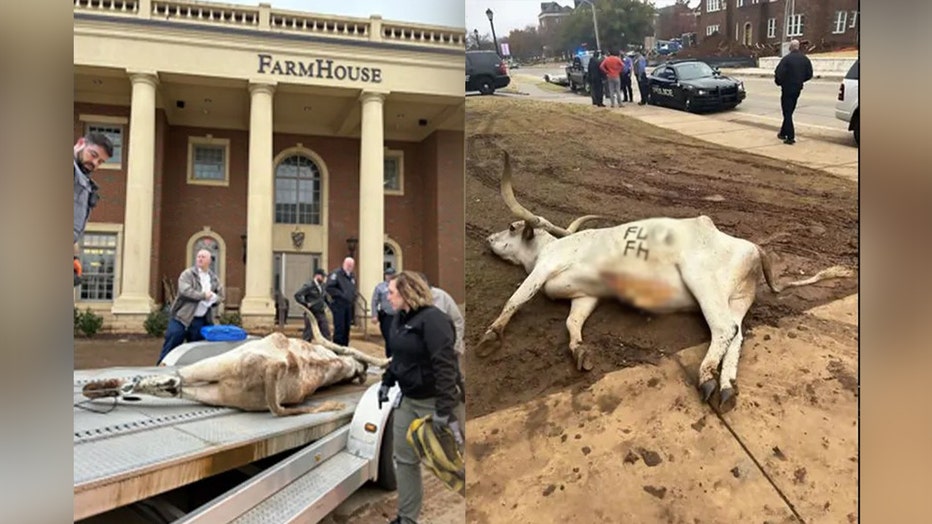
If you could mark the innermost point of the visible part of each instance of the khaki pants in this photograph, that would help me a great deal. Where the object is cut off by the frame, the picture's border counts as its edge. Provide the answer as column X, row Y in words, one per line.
column 407, row 465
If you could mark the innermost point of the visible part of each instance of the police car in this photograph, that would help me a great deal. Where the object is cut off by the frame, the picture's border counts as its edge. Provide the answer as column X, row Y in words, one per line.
column 693, row 85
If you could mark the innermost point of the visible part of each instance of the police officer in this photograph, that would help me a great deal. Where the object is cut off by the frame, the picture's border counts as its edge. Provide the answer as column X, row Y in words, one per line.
column 596, row 77
column 382, row 310
column 313, row 297
column 341, row 286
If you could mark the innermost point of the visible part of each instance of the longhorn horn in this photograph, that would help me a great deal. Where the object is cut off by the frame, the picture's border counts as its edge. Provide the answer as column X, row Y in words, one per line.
column 530, row 219
column 574, row 226
column 341, row 350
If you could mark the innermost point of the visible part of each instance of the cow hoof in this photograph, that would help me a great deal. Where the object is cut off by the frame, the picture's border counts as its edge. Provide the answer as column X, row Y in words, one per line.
column 583, row 358
column 489, row 344
column 102, row 388
column 707, row 388
column 728, row 401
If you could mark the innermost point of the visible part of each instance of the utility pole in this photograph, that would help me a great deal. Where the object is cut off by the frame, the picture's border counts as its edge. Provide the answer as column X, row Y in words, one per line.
column 595, row 23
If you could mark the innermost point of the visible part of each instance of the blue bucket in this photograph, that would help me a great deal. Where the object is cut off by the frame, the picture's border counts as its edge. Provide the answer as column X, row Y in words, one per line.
column 223, row 333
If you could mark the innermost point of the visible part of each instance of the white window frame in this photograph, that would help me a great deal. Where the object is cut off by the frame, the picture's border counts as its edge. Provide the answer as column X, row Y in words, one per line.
column 116, row 161
column 711, row 29
column 841, row 22
column 209, row 140
column 794, row 26
column 771, row 28
column 740, row 3
column 399, row 157
column 712, row 6
column 106, row 229
column 854, row 19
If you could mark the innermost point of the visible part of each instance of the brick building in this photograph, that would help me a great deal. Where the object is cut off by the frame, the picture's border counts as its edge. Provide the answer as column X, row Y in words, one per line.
column 674, row 20
column 552, row 14
column 279, row 140
column 753, row 22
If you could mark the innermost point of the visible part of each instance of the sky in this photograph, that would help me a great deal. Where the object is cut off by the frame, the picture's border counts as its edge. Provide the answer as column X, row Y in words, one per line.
column 513, row 14
column 435, row 12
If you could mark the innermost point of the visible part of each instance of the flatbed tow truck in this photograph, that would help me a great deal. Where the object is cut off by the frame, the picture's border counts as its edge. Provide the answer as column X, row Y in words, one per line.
column 144, row 459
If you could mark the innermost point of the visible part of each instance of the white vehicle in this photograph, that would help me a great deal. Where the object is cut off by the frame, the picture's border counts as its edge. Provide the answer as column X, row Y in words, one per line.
column 144, row 460
column 847, row 107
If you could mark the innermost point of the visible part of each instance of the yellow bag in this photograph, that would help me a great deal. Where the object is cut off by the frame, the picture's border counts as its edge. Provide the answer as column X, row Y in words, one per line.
column 439, row 453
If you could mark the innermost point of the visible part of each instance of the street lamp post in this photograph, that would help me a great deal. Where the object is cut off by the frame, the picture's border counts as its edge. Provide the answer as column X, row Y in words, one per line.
column 595, row 23
column 488, row 13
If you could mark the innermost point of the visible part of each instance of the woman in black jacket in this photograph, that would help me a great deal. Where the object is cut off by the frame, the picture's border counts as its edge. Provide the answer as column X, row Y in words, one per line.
column 424, row 365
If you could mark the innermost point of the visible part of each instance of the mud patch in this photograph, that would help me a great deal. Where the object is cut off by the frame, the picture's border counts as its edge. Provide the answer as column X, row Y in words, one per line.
column 549, row 489
column 699, row 424
column 651, row 458
column 631, row 457
column 799, row 476
column 660, row 492
column 607, row 403
column 537, row 418
column 840, row 373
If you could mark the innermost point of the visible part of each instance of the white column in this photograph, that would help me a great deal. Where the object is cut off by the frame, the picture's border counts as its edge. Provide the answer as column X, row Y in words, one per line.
column 371, row 195
column 140, row 179
column 257, row 299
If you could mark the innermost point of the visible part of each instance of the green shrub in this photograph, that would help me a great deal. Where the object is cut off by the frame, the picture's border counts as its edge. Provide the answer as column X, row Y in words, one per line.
column 77, row 319
column 156, row 323
column 89, row 322
column 231, row 318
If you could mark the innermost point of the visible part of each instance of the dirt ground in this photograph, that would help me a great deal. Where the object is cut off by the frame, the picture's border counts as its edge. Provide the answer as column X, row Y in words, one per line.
column 570, row 161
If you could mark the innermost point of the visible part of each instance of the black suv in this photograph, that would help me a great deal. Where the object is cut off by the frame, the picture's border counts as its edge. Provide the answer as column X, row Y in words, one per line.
column 485, row 72
column 693, row 85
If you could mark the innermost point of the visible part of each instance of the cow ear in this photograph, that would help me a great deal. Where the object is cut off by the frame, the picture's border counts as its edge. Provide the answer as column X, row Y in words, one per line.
column 527, row 233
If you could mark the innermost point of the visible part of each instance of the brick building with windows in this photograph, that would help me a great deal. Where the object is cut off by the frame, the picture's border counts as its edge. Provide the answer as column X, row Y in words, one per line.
column 279, row 140
column 552, row 14
column 674, row 20
column 830, row 23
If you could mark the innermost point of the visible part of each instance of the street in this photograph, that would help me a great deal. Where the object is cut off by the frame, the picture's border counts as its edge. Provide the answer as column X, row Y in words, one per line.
column 814, row 116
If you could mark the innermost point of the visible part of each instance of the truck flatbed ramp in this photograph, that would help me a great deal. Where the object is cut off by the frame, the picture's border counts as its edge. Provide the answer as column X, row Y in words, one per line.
column 138, row 449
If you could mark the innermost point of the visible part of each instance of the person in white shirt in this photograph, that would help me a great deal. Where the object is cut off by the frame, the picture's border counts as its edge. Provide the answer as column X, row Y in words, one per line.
column 199, row 290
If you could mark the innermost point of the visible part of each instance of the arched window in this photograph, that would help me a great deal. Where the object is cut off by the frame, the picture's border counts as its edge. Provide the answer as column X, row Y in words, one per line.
column 389, row 260
column 297, row 191
column 210, row 244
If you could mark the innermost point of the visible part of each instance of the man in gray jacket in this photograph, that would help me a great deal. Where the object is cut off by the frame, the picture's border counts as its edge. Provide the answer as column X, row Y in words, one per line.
column 199, row 291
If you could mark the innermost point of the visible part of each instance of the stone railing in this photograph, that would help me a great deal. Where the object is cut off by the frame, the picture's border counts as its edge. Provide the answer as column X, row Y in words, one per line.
column 264, row 18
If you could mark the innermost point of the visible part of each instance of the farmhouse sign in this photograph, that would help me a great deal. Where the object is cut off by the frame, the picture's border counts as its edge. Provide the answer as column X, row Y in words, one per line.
column 318, row 68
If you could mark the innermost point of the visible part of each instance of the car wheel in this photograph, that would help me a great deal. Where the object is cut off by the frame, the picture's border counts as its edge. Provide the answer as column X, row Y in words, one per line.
column 857, row 131
column 486, row 87
column 387, row 479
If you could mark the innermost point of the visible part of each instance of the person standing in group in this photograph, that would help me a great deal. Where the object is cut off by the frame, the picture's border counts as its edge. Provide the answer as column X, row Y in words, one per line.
column 596, row 79
column 313, row 297
column 627, row 94
column 90, row 152
column 612, row 67
column 791, row 73
column 199, row 291
column 640, row 71
column 444, row 302
column 341, row 286
column 382, row 310
column 424, row 366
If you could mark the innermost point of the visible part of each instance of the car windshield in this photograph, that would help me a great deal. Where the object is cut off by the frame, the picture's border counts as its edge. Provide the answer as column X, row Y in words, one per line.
column 694, row 70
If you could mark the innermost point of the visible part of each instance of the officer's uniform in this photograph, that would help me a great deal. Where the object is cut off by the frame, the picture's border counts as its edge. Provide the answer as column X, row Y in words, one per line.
column 312, row 296
column 342, row 289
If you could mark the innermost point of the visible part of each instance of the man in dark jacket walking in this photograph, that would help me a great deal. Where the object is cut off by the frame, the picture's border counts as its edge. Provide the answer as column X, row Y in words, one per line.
column 792, row 72
column 341, row 286
column 596, row 80
column 312, row 296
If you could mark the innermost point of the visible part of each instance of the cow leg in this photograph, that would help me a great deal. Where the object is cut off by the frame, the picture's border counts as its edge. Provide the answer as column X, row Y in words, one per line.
column 707, row 290
column 273, row 375
column 580, row 309
column 739, row 305
column 492, row 340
